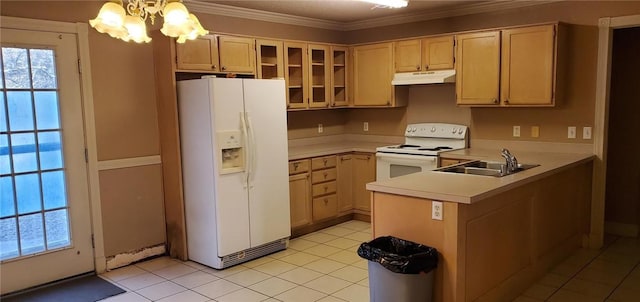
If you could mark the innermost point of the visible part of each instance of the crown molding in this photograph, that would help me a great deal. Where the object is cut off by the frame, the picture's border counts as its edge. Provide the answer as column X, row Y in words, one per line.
column 246, row 13
column 254, row 14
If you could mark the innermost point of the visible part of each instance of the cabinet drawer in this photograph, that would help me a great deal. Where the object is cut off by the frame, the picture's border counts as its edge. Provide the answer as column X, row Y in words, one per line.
column 323, row 188
column 323, row 175
column 298, row 166
column 325, row 207
column 323, row 162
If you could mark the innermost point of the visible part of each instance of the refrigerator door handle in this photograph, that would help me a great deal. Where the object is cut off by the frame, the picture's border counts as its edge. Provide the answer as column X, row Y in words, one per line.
column 252, row 147
column 247, row 151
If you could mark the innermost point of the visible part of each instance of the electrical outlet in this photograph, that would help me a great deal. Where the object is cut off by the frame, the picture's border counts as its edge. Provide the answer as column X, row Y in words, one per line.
column 535, row 131
column 320, row 128
column 571, row 132
column 586, row 132
column 516, row 131
column 436, row 210
column 365, row 126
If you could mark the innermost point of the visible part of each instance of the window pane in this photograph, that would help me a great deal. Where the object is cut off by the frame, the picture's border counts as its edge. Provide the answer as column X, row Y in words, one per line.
column 5, row 164
column 49, row 145
column 57, row 226
column 23, row 147
column 3, row 113
column 47, row 110
column 53, row 190
column 7, row 208
column 31, row 233
column 16, row 68
column 42, row 68
column 8, row 239
column 20, row 110
column 28, row 193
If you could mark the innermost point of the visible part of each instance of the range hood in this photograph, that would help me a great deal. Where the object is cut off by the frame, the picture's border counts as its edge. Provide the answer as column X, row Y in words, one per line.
column 424, row 77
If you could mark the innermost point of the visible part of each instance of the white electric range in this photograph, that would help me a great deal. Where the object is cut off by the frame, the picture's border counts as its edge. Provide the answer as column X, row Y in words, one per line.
column 423, row 143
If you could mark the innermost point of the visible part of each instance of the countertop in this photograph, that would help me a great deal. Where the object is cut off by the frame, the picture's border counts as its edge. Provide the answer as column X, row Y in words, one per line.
column 467, row 188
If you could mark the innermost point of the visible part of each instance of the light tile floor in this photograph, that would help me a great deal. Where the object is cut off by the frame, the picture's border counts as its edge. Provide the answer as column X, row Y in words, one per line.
column 323, row 266
column 609, row 274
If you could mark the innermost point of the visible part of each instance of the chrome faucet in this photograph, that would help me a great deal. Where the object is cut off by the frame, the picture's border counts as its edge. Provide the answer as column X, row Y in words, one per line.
column 512, row 162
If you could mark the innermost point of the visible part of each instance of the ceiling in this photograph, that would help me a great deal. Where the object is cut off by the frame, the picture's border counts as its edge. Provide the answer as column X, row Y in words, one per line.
column 349, row 14
column 345, row 11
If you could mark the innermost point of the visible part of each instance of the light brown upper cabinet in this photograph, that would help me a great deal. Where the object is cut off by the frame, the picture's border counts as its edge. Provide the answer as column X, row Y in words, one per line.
column 478, row 68
column 198, row 54
column 437, row 53
column 528, row 66
column 320, row 77
column 270, row 59
column 424, row 54
column 512, row 67
column 296, row 75
column 340, row 76
column 373, row 72
column 216, row 53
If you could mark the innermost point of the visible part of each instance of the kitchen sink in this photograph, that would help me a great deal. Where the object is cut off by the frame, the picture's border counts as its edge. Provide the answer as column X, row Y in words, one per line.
column 485, row 168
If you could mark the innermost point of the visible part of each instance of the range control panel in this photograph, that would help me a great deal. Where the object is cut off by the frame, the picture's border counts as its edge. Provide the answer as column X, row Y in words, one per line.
column 436, row 130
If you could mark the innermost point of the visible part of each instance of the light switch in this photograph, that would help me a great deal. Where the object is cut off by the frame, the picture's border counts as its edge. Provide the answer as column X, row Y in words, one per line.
column 586, row 132
column 571, row 132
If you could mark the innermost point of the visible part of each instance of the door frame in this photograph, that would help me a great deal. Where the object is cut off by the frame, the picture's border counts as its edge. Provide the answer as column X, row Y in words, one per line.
column 601, row 122
column 81, row 30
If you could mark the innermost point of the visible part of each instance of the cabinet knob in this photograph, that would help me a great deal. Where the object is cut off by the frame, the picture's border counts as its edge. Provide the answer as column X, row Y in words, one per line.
column 295, row 166
column 326, row 201
column 325, row 175
column 426, row 67
column 324, row 162
column 214, row 67
column 326, row 188
column 495, row 101
column 224, row 68
column 418, row 67
column 506, row 101
column 388, row 103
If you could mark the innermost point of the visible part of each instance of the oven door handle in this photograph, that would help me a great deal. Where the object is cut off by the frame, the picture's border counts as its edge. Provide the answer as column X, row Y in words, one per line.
column 404, row 158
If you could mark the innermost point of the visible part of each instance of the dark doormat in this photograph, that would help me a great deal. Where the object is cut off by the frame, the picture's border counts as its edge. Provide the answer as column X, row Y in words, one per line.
column 84, row 289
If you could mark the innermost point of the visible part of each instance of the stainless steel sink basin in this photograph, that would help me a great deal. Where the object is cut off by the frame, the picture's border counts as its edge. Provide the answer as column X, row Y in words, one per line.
column 486, row 168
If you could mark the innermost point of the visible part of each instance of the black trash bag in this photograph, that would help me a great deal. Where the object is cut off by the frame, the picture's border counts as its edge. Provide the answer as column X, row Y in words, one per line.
column 399, row 255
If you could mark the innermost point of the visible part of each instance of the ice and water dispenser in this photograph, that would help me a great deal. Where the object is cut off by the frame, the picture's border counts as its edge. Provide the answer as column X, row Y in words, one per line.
column 231, row 152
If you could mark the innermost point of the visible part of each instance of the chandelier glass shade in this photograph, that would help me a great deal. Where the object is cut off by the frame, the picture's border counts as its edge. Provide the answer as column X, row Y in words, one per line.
column 130, row 24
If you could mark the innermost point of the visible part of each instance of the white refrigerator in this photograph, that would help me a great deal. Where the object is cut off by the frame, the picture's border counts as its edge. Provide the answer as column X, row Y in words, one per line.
column 233, row 135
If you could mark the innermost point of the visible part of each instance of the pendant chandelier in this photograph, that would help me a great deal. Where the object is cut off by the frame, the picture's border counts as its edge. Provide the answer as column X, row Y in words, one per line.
column 130, row 25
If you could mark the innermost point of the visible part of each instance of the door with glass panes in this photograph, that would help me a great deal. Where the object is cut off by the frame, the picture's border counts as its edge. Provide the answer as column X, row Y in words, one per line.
column 45, row 227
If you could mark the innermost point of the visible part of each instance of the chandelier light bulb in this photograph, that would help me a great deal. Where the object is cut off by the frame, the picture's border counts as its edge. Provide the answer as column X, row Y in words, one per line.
column 110, row 20
column 175, row 13
column 136, row 29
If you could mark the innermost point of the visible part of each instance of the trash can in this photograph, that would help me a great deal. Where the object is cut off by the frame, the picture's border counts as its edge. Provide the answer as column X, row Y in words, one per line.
column 399, row 270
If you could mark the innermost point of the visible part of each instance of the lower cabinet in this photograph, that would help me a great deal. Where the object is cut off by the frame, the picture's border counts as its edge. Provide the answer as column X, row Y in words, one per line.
column 345, row 183
column 364, row 168
column 299, row 193
column 328, row 190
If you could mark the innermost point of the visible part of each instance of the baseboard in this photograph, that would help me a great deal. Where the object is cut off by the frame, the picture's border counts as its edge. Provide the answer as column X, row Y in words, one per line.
column 125, row 259
column 621, row 229
column 303, row 230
